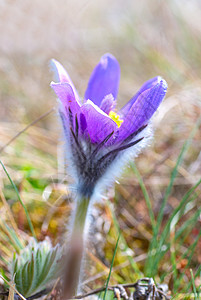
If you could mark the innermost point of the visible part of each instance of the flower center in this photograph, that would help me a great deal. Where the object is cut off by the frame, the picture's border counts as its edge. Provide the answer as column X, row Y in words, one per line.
column 115, row 118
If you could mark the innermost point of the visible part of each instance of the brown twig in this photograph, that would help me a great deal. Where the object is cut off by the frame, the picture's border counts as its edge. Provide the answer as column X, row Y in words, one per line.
column 112, row 287
column 13, row 288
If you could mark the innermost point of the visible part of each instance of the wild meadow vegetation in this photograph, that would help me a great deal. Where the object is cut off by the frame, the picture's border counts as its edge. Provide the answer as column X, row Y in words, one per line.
column 149, row 224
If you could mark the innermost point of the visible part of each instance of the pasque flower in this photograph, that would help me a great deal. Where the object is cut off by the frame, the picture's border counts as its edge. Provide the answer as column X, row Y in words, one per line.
column 99, row 142
column 99, row 139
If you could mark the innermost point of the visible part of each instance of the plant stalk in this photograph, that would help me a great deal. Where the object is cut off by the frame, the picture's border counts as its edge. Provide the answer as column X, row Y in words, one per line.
column 75, row 248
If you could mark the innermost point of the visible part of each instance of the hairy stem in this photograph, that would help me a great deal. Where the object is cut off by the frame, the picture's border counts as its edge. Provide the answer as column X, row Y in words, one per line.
column 75, row 248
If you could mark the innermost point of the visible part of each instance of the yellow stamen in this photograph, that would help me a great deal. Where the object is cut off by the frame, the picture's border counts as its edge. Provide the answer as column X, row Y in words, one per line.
column 115, row 118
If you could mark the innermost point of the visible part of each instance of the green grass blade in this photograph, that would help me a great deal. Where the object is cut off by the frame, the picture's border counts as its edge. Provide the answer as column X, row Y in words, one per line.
column 193, row 284
column 146, row 195
column 188, row 225
column 13, row 237
column 108, row 278
column 192, row 249
column 188, row 254
column 166, row 231
column 4, row 261
column 186, row 228
column 173, row 259
column 164, row 245
column 20, row 200
column 123, row 241
column 150, row 263
column 198, row 273
column 174, row 172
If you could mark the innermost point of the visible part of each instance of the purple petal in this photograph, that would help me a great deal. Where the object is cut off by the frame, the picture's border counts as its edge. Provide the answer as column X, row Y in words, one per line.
column 147, row 85
column 62, row 76
column 143, row 108
column 104, row 80
column 83, row 123
column 108, row 104
column 69, row 105
column 99, row 125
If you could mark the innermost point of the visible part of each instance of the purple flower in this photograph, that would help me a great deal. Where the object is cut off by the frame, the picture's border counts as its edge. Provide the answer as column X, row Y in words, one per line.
column 99, row 139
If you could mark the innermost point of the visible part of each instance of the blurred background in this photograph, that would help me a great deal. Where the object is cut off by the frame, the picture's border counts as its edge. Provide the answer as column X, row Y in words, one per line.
column 148, row 38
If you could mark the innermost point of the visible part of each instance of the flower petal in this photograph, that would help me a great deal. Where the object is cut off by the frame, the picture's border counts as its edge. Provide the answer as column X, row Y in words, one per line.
column 147, row 85
column 107, row 104
column 69, row 106
column 104, row 80
column 98, row 124
column 143, row 107
column 62, row 76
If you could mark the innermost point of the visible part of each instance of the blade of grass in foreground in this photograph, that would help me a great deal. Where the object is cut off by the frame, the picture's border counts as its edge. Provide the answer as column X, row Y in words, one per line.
column 146, row 195
column 173, row 258
column 193, row 284
column 20, row 200
column 126, row 248
column 11, row 236
column 198, row 273
column 186, row 228
column 174, row 173
column 150, row 263
column 108, row 279
column 188, row 254
column 173, row 220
